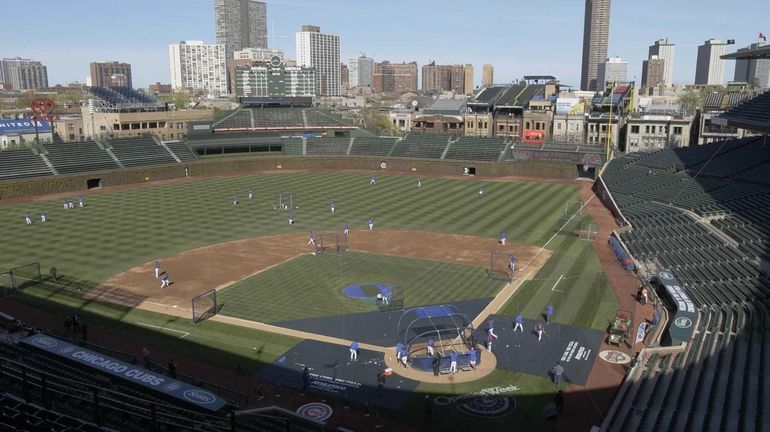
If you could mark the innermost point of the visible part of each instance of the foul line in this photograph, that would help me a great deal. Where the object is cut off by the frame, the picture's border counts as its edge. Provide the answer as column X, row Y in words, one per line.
column 557, row 283
column 166, row 328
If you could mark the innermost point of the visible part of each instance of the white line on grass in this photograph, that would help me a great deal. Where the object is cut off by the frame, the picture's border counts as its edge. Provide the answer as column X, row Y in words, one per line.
column 557, row 283
column 166, row 328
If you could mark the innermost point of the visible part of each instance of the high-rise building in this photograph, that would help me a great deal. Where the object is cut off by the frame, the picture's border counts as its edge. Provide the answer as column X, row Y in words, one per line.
column 240, row 24
column 753, row 71
column 664, row 51
column 468, row 79
column 441, row 78
column 653, row 73
column 275, row 79
column 344, row 76
column 195, row 65
column 110, row 74
column 361, row 71
column 612, row 70
column 23, row 74
column 710, row 69
column 395, row 78
column 596, row 30
column 322, row 52
column 488, row 77
column 259, row 54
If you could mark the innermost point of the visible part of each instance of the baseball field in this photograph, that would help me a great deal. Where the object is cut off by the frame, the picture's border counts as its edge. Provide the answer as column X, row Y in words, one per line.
column 433, row 243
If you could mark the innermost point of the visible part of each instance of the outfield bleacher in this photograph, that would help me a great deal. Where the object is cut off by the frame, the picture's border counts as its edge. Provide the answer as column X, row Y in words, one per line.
column 139, row 151
column 372, row 146
column 327, row 146
column 182, row 151
column 426, row 146
column 292, row 146
column 16, row 164
column 476, row 149
column 79, row 157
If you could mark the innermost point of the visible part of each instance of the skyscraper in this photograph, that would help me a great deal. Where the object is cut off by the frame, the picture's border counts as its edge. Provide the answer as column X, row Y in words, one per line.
column 110, row 74
column 440, row 78
column 469, row 79
column 344, row 76
column 710, row 69
column 240, row 24
column 321, row 51
column 395, row 78
column 195, row 65
column 653, row 73
column 596, row 29
column 612, row 70
column 488, row 77
column 753, row 71
column 361, row 71
column 23, row 74
column 664, row 51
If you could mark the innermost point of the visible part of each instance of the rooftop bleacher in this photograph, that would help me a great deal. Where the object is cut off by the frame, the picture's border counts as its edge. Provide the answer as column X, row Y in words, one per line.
column 123, row 98
column 79, row 157
column 426, row 146
column 140, row 151
column 753, row 114
column 16, row 164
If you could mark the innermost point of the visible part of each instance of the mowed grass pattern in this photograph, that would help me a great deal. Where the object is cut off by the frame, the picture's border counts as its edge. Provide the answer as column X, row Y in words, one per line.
column 312, row 286
column 119, row 230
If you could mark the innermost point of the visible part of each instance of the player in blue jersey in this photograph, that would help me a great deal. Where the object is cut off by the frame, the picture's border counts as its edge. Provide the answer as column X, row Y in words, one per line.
column 503, row 237
column 354, row 351
column 346, row 229
column 235, row 199
column 333, row 207
column 519, row 323
column 372, row 180
column 27, row 219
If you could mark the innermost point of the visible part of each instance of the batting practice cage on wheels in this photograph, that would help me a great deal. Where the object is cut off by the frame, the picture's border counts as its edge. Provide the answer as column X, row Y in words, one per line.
column 502, row 266
column 445, row 326
column 204, row 306
column 331, row 242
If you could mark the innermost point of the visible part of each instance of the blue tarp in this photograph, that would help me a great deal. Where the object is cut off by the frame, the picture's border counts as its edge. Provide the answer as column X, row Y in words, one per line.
column 621, row 254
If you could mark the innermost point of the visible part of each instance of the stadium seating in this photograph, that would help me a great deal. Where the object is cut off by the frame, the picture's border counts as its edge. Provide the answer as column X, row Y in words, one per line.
column 15, row 164
column 754, row 111
column 292, row 146
column 182, row 151
column 79, row 157
column 327, row 146
column 476, row 149
column 377, row 146
column 140, row 151
column 425, row 146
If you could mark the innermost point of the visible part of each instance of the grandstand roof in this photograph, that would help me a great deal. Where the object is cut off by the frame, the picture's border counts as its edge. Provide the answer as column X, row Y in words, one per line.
column 446, row 107
column 754, row 115
column 762, row 52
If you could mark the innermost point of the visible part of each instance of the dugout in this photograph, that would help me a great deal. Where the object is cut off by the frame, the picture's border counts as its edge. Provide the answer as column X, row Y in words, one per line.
column 450, row 329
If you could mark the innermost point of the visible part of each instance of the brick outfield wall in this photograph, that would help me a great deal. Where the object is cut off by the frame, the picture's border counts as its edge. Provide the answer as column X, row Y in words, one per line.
column 73, row 183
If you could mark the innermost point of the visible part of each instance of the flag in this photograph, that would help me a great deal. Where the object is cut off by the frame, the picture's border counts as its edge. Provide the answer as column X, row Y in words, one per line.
column 763, row 37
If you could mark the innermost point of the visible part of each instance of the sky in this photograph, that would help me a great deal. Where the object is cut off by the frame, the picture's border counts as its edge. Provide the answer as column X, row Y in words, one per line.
column 517, row 37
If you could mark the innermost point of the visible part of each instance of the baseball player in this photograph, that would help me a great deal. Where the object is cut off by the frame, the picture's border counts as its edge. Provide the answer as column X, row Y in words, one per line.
column 419, row 183
column 354, row 351
column 81, row 202
column 453, row 362
column 164, row 280
column 492, row 328
column 512, row 265
column 539, row 327
column 548, row 313
column 346, row 229
column 503, row 237
column 291, row 218
column 27, row 219
column 519, row 323
column 372, row 180
column 481, row 192
column 333, row 207
column 235, row 199
column 399, row 351
column 490, row 338
column 311, row 238
column 66, row 206
column 472, row 358
column 429, row 346
column 42, row 215
column 250, row 193
column 157, row 269
column 70, row 204
column 371, row 224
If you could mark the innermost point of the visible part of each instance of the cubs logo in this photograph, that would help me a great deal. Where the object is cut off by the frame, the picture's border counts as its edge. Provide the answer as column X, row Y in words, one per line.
column 683, row 322
column 316, row 411
column 170, row 387
column 488, row 407
column 45, row 342
column 199, row 397
column 67, row 349
column 666, row 275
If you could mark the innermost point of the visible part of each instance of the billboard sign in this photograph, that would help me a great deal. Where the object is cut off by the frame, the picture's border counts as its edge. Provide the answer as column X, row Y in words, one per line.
column 686, row 314
column 126, row 371
column 23, row 126
column 565, row 104
column 534, row 136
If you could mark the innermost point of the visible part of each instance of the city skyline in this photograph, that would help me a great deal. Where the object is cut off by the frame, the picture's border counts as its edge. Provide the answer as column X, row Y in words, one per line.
column 135, row 40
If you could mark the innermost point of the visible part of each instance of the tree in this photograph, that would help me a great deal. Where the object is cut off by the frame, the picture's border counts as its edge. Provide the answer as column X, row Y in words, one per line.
column 180, row 100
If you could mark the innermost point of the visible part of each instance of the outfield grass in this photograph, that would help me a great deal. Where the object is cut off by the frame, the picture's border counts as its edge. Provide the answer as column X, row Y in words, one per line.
column 122, row 229
column 312, row 286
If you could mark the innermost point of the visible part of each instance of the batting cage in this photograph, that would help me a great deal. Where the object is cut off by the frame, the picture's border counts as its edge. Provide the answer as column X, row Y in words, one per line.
column 502, row 266
column 204, row 306
column 331, row 242
column 443, row 328
column 23, row 276
column 284, row 202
